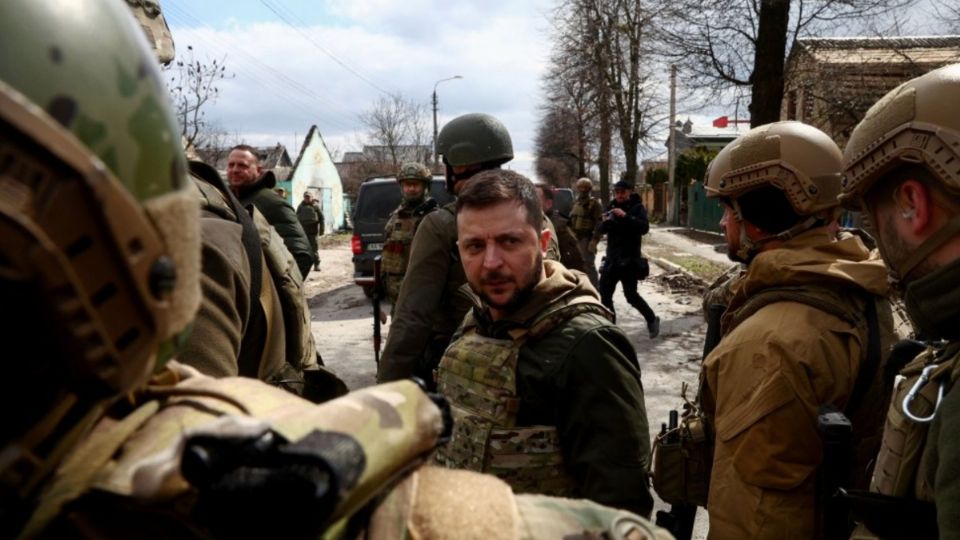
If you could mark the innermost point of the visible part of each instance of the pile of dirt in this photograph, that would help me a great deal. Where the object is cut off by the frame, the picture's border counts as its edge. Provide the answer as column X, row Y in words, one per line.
column 679, row 283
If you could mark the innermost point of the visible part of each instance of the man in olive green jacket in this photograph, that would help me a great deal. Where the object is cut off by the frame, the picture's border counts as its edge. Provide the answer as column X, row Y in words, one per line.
column 545, row 390
column 253, row 186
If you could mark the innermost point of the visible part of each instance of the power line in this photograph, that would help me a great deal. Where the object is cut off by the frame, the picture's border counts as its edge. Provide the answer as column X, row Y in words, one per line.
column 285, row 88
column 321, row 48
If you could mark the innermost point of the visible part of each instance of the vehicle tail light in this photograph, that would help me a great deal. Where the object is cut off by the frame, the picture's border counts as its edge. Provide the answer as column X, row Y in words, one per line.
column 356, row 245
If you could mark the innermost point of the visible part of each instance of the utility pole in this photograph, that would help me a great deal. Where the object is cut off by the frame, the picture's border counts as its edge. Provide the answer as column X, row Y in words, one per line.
column 434, row 101
column 673, row 211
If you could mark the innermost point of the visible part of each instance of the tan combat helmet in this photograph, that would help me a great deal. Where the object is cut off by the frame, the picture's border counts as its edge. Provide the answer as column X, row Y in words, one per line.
column 584, row 183
column 799, row 160
column 917, row 123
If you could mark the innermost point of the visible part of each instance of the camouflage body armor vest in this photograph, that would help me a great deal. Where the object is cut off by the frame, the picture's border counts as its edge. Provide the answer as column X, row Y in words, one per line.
column 399, row 232
column 478, row 375
column 581, row 217
column 919, row 388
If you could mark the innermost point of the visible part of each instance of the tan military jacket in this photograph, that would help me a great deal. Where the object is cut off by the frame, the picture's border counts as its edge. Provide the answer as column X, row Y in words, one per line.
column 766, row 379
column 224, row 317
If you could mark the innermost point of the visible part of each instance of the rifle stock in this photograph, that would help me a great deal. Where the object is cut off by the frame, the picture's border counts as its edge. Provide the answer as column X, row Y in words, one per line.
column 377, row 295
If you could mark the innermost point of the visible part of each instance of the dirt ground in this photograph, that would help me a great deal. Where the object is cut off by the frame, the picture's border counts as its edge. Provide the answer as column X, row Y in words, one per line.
column 343, row 327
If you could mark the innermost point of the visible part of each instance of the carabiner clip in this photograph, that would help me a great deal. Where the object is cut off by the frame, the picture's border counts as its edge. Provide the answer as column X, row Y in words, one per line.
column 924, row 378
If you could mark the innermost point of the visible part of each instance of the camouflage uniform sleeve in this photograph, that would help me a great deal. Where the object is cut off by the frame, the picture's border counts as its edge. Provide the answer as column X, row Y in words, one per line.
column 553, row 249
column 602, row 421
column 420, row 298
column 214, row 343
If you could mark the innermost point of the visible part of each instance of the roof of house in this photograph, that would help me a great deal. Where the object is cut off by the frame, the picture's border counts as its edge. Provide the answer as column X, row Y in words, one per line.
column 271, row 157
column 881, row 50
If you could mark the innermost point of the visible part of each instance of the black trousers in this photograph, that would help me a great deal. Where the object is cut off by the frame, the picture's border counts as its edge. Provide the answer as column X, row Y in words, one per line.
column 626, row 275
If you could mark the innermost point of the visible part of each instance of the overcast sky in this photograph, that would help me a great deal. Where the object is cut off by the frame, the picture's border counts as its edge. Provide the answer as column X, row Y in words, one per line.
column 296, row 63
column 288, row 58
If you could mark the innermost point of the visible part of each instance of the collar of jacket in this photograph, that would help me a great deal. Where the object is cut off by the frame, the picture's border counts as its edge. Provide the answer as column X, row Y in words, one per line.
column 813, row 257
column 559, row 285
column 266, row 181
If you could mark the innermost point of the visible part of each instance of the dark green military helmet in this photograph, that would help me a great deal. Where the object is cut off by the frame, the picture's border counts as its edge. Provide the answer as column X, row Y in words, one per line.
column 474, row 138
column 414, row 171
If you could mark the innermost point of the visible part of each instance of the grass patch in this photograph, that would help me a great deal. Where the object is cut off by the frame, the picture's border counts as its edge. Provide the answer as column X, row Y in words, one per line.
column 333, row 240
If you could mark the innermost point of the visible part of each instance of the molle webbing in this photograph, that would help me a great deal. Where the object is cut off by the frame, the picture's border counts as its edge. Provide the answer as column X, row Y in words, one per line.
column 478, row 375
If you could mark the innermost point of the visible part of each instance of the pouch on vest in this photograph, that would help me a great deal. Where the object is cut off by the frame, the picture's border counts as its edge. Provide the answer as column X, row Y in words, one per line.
column 683, row 457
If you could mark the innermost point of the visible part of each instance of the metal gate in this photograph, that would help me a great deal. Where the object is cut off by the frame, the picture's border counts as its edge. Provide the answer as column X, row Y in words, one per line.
column 703, row 213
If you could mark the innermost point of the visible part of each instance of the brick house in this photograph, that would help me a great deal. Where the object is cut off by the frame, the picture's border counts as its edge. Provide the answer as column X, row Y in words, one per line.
column 831, row 82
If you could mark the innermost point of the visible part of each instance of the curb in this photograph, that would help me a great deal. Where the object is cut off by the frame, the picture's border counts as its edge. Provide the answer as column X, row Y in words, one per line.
column 673, row 267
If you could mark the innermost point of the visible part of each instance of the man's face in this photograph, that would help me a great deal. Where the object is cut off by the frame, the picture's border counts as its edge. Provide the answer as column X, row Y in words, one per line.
column 243, row 168
column 502, row 254
column 584, row 191
column 885, row 221
column 412, row 189
column 731, row 231
column 307, row 198
column 621, row 195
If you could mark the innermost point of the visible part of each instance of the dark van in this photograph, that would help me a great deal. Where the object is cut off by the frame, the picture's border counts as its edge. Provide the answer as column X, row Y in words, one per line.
column 377, row 199
column 563, row 201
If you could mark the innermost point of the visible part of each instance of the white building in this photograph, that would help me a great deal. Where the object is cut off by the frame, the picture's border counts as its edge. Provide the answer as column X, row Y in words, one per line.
column 314, row 171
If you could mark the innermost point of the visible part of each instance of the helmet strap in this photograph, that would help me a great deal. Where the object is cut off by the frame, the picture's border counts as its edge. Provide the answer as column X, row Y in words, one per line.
column 749, row 247
column 928, row 246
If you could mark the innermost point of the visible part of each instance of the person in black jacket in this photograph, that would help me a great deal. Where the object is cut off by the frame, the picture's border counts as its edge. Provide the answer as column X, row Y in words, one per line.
column 624, row 223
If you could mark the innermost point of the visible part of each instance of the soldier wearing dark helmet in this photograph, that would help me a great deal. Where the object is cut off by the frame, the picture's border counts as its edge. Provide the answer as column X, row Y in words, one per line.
column 104, row 434
column 414, row 180
column 430, row 304
column 901, row 171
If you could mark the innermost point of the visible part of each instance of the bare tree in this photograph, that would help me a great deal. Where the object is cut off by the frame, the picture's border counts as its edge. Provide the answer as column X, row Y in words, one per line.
column 193, row 85
column 606, row 44
column 397, row 126
column 948, row 12
column 560, row 147
column 742, row 44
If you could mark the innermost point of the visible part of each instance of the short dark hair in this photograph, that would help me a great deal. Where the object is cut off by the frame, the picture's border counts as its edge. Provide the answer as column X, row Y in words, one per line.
column 247, row 148
column 768, row 208
column 495, row 186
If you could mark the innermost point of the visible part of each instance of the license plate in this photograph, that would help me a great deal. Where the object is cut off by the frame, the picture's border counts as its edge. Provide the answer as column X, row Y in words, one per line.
column 375, row 247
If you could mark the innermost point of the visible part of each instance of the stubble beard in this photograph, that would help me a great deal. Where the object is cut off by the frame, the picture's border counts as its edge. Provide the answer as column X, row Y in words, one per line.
column 520, row 295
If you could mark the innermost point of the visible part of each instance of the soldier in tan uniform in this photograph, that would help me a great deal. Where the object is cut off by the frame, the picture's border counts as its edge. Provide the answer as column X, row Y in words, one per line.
column 99, row 265
column 566, row 241
column 545, row 389
column 901, row 172
column 586, row 214
column 805, row 322
column 414, row 180
column 430, row 304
